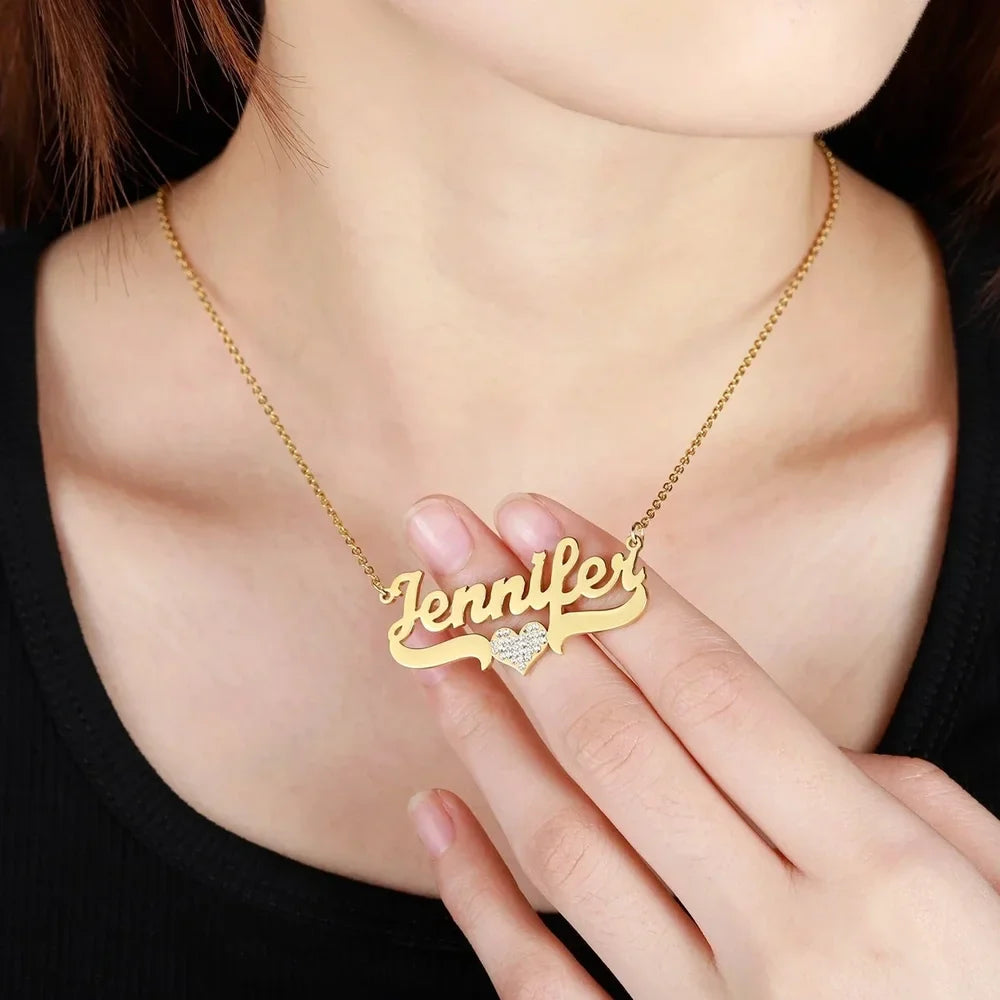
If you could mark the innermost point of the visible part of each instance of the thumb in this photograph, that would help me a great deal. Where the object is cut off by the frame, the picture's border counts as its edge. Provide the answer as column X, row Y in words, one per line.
column 941, row 803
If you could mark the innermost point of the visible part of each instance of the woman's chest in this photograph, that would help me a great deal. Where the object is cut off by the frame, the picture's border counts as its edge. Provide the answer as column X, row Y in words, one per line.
column 252, row 670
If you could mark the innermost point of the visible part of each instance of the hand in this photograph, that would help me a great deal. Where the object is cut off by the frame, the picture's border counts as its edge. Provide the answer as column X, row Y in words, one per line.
column 670, row 759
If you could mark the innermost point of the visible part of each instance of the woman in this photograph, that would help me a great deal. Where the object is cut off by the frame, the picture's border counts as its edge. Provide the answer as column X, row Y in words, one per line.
column 470, row 249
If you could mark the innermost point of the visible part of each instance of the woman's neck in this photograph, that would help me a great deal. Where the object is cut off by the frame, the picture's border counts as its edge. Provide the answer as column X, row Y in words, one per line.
column 450, row 203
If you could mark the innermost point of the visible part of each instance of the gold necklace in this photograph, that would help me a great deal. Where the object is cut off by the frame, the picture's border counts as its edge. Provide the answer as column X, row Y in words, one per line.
column 515, row 595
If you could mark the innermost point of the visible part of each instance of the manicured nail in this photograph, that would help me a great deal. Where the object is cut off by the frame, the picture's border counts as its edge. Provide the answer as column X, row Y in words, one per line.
column 431, row 821
column 521, row 518
column 439, row 535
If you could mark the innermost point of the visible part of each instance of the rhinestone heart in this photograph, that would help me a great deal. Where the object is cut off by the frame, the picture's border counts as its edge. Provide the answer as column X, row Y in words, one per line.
column 520, row 649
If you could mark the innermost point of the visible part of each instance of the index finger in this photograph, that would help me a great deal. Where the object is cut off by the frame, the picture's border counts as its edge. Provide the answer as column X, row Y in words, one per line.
column 769, row 759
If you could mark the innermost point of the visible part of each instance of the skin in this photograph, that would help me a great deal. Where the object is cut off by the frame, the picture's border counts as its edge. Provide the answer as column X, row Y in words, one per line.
column 802, row 871
column 472, row 200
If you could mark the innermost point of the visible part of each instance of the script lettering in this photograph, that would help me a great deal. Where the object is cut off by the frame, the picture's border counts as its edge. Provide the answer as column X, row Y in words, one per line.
column 514, row 595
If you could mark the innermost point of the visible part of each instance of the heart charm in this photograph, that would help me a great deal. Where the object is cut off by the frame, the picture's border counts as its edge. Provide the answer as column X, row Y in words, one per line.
column 520, row 649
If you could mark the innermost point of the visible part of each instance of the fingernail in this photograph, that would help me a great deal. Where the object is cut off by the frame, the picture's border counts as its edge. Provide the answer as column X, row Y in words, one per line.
column 439, row 535
column 522, row 518
column 433, row 824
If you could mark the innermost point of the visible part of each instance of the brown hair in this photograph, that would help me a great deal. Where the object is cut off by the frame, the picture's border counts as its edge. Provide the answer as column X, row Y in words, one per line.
column 102, row 99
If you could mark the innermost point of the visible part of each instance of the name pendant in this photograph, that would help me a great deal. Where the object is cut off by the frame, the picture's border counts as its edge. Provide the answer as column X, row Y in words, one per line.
column 516, row 595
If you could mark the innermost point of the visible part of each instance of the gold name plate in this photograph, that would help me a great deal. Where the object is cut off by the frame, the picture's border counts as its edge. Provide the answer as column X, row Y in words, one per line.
column 515, row 595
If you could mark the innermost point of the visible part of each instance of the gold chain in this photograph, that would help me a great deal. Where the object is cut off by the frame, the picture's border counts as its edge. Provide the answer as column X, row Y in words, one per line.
column 258, row 392
column 665, row 490
column 772, row 321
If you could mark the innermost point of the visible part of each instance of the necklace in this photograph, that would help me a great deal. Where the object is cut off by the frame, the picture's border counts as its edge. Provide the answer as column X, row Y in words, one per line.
column 514, row 595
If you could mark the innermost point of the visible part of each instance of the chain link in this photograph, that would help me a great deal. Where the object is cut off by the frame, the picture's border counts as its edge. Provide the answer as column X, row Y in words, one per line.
column 267, row 406
column 665, row 490
column 768, row 328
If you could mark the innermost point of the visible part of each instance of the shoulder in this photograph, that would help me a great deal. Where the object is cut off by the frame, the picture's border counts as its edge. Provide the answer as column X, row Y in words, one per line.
column 77, row 265
column 921, row 256
column 38, row 259
column 93, row 295
column 113, row 340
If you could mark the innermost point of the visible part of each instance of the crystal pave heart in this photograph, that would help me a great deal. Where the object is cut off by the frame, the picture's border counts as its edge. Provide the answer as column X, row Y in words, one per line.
column 520, row 649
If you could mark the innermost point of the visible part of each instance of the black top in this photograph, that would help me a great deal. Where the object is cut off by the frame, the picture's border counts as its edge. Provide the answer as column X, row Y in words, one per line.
column 111, row 886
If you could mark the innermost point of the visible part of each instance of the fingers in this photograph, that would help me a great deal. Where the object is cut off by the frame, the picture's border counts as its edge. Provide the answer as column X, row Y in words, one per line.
column 520, row 954
column 740, row 727
column 564, row 844
column 942, row 804
column 608, row 739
